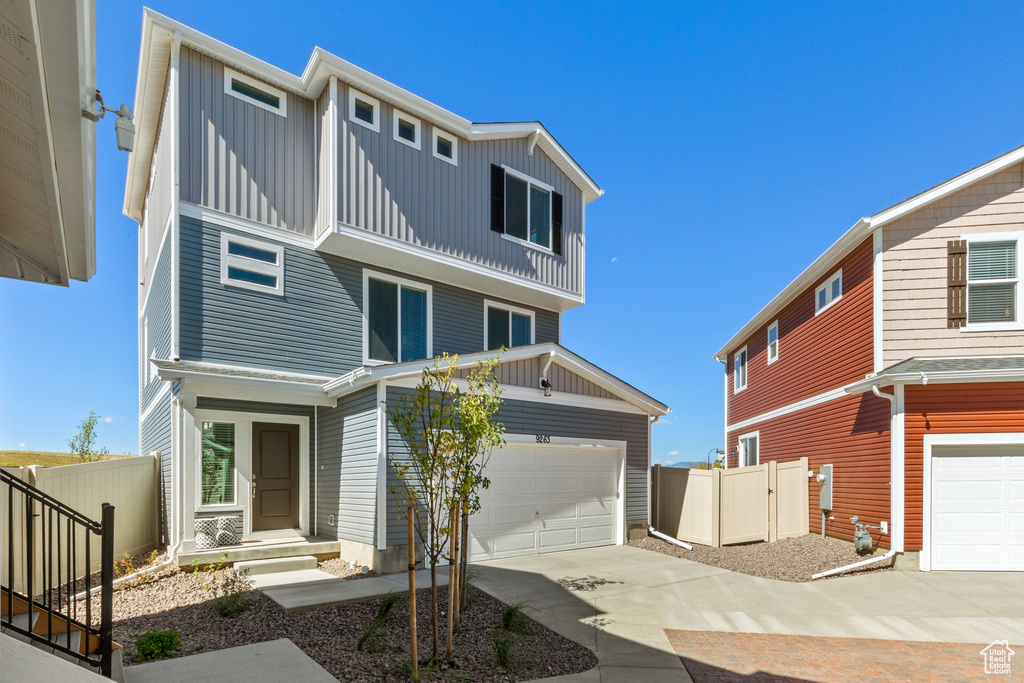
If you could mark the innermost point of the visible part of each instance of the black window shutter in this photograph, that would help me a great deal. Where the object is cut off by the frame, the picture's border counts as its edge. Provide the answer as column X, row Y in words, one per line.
column 956, row 283
column 497, row 198
column 556, row 223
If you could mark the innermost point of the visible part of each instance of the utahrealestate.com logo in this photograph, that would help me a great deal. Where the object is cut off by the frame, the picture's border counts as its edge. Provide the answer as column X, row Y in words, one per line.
column 997, row 657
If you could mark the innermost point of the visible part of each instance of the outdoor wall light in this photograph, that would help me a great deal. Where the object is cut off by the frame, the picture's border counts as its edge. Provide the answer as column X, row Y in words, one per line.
column 123, row 127
column 546, row 386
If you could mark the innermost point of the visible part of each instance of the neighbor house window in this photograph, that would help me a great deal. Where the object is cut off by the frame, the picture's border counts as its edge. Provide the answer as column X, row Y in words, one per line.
column 446, row 147
column 251, row 264
column 747, row 450
column 364, row 110
column 739, row 371
column 992, row 274
column 218, row 463
column 406, row 129
column 398, row 327
column 773, row 342
column 255, row 92
column 507, row 326
column 828, row 293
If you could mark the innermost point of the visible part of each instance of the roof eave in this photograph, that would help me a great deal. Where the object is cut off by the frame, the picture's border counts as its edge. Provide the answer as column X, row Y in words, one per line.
column 926, row 378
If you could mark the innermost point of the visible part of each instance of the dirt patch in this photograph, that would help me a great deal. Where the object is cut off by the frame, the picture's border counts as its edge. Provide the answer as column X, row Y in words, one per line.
column 791, row 559
column 176, row 599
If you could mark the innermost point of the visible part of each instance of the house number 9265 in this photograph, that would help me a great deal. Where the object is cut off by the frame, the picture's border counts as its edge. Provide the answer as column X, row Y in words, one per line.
column 543, row 438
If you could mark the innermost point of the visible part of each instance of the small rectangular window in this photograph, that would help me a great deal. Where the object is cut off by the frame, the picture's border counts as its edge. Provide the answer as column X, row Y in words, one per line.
column 218, row 463
column 828, row 293
column 507, row 326
column 773, row 342
column 748, row 455
column 446, row 147
column 250, row 264
column 739, row 371
column 406, row 129
column 255, row 92
column 364, row 110
column 527, row 209
column 397, row 320
column 992, row 282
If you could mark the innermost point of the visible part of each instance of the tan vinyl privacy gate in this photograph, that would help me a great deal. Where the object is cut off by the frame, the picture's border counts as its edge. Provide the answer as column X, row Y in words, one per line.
column 719, row 507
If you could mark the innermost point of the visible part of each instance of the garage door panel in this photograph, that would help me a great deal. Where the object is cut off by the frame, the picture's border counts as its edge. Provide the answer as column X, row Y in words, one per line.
column 968, row 491
column 968, row 522
column 968, row 465
column 1017, row 490
column 597, row 508
column 559, row 484
column 515, row 542
column 512, row 485
column 1017, row 522
column 514, row 460
column 1017, row 555
column 982, row 557
column 557, row 538
column 596, row 534
column 512, row 514
column 597, row 485
column 553, row 459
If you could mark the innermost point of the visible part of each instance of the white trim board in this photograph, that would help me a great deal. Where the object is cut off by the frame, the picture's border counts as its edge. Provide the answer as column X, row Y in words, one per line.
column 255, row 228
column 791, row 408
column 966, row 439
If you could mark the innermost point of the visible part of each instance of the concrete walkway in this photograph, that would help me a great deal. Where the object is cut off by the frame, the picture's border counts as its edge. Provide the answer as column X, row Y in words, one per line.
column 269, row 662
column 618, row 600
column 301, row 591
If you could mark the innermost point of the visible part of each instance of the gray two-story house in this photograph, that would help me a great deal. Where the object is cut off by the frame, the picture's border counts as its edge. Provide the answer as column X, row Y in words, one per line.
column 308, row 244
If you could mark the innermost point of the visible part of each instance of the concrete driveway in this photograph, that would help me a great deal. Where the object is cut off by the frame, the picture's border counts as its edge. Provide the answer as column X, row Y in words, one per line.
column 618, row 600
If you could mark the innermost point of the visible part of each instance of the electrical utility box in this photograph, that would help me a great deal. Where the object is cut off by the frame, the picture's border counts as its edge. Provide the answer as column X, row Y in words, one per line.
column 825, row 496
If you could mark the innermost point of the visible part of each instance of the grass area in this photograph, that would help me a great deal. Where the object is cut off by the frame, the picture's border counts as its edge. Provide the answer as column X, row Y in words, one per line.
column 44, row 458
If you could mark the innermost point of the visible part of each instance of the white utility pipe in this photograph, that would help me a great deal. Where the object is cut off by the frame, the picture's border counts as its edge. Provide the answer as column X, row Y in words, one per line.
column 848, row 567
column 118, row 582
column 670, row 539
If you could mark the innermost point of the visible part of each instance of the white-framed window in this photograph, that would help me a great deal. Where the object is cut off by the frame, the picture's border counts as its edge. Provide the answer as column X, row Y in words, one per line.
column 251, row 264
column 217, row 472
column 445, row 147
column 255, row 92
column 397, row 319
column 406, row 129
column 748, row 451
column 993, row 281
column 739, row 371
column 527, row 209
column 364, row 110
column 829, row 293
column 507, row 326
column 773, row 342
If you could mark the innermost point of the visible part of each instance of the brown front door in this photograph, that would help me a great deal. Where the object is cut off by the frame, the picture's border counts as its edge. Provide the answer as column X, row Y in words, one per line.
column 275, row 470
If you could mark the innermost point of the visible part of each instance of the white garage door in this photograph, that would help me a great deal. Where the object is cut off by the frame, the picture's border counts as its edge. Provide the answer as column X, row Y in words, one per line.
column 544, row 499
column 977, row 508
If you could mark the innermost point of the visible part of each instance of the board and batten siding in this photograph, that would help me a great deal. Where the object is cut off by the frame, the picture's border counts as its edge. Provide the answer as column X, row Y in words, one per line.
column 393, row 190
column 817, row 353
column 532, row 417
column 914, row 270
column 951, row 409
column 348, row 467
column 241, row 159
column 526, row 373
column 316, row 327
column 851, row 433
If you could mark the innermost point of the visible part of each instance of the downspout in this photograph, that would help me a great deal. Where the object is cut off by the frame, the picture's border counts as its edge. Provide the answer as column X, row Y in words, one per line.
column 316, row 467
column 895, row 486
column 545, row 365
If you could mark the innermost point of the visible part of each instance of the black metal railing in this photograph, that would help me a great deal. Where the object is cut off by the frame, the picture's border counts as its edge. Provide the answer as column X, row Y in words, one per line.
column 48, row 549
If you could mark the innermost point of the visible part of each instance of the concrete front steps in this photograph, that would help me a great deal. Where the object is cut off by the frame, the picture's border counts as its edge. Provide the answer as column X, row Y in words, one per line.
column 269, row 549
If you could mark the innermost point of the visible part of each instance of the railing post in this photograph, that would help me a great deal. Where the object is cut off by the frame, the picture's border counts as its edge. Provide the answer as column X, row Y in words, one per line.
column 107, row 594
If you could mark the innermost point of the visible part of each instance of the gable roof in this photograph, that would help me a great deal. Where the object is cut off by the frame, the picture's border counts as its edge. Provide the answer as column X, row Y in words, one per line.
column 159, row 34
column 859, row 232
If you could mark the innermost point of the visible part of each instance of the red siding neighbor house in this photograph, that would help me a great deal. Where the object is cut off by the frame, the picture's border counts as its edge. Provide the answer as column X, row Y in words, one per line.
column 897, row 357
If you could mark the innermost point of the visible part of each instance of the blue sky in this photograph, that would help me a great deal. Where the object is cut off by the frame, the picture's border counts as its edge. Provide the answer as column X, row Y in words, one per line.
column 735, row 142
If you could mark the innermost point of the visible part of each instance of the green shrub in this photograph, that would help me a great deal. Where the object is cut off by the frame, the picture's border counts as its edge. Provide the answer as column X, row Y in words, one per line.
column 155, row 644
column 512, row 617
column 503, row 644
column 373, row 638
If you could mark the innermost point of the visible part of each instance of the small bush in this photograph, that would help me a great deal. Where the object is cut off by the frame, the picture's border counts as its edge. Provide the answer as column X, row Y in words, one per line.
column 155, row 644
column 373, row 638
column 503, row 644
column 230, row 604
column 512, row 618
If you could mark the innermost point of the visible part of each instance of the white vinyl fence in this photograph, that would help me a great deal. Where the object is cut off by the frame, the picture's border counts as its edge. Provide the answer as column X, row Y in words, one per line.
column 131, row 485
column 720, row 507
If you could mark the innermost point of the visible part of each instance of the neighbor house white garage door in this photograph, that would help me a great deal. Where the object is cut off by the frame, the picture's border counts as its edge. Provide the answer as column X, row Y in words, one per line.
column 546, row 498
column 977, row 508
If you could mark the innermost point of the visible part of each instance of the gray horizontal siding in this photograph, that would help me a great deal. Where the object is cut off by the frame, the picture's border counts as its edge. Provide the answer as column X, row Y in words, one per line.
column 155, row 435
column 316, row 326
column 529, row 417
column 348, row 467
column 241, row 159
column 156, row 317
column 391, row 189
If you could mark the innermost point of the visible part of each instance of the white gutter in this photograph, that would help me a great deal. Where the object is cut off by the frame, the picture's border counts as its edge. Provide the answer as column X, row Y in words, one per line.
column 895, row 486
column 669, row 538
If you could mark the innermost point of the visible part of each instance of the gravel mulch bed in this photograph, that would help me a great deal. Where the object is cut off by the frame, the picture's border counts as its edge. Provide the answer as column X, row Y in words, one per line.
column 341, row 569
column 176, row 599
column 791, row 559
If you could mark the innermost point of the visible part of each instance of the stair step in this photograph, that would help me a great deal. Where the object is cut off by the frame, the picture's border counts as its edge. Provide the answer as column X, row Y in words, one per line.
column 276, row 565
column 22, row 620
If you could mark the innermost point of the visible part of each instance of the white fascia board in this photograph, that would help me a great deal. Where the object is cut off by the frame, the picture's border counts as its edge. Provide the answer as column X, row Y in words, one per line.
column 925, row 378
column 320, row 67
column 861, row 230
column 249, row 388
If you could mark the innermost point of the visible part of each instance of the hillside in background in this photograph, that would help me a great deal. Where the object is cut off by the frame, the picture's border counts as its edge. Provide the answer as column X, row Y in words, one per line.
column 44, row 458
